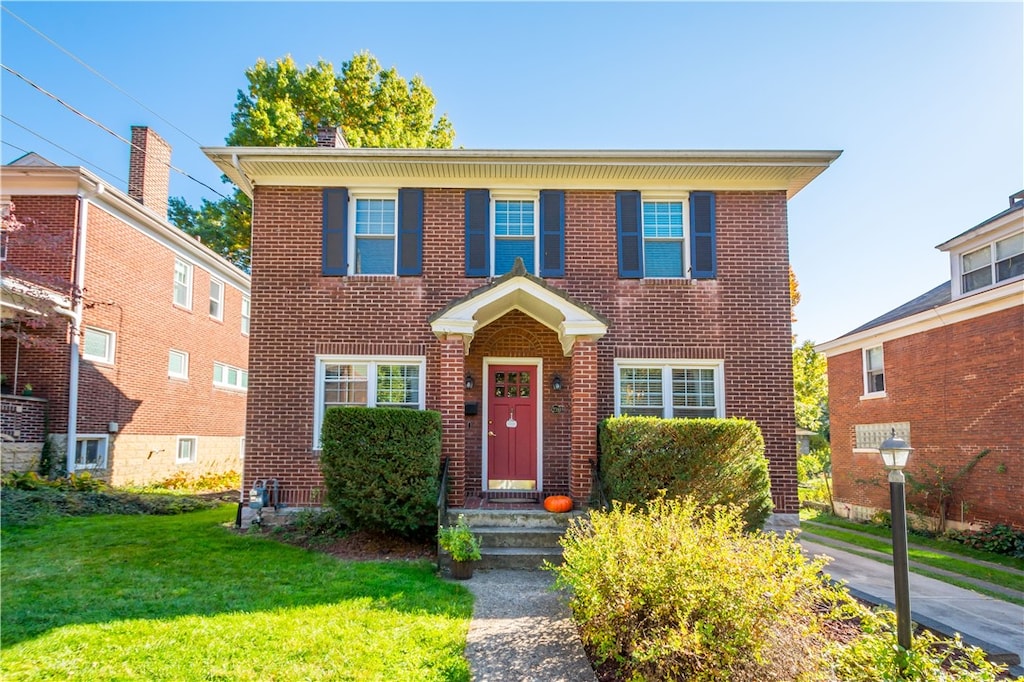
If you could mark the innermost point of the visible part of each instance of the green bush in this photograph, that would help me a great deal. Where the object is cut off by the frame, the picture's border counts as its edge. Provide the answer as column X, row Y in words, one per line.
column 674, row 593
column 30, row 480
column 717, row 461
column 33, row 506
column 999, row 539
column 381, row 467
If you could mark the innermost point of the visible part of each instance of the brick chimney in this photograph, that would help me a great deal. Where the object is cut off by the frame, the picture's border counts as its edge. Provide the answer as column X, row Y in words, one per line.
column 149, row 170
column 331, row 136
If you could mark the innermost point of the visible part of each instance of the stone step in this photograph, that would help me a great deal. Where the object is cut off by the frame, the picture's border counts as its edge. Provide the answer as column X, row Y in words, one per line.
column 517, row 558
column 525, row 518
column 509, row 536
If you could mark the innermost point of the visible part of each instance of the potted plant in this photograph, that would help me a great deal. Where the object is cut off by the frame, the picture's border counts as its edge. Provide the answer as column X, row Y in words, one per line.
column 27, row 390
column 459, row 541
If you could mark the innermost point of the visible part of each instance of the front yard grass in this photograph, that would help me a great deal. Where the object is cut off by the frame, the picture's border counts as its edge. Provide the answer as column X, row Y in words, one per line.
column 181, row 597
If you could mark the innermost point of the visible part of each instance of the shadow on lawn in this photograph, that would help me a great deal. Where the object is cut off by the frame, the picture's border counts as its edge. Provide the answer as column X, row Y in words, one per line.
column 112, row 568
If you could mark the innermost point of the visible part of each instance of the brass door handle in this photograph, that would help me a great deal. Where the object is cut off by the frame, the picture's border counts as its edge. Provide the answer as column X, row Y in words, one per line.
column 490, row 433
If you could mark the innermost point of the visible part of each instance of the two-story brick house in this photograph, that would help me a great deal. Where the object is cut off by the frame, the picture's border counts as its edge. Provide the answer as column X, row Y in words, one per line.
column 146, row 372
column 652, row 282
column 946, row 371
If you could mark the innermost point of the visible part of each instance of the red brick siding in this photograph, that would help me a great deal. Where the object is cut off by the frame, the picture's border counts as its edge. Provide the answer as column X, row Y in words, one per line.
column 741, row 318
column 961, row 387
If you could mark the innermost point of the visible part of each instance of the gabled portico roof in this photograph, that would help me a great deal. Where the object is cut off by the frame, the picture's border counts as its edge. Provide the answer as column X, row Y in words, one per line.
column 519, row 290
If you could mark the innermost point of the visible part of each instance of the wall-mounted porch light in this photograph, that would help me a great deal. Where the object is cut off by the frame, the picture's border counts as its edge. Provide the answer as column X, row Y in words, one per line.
column 469, row 382
column 556, row 383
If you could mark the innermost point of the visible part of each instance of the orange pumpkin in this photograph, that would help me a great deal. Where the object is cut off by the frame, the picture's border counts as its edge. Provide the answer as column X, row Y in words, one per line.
column 558, row 504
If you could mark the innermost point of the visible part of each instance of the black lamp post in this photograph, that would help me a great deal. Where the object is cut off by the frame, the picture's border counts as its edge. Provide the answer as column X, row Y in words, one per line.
column 895, row 452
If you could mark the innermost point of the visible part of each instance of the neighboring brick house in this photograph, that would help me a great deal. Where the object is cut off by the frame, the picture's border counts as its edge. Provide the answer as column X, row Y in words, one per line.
column 155, row 381
column 946, row 371
column 654, row 282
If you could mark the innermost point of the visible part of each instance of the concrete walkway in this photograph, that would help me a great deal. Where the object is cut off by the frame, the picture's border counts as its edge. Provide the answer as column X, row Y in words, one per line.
column 994, row 625
column 522, row 630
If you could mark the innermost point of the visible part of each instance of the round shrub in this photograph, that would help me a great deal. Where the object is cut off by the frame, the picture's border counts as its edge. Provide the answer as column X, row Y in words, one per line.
column 381, row 466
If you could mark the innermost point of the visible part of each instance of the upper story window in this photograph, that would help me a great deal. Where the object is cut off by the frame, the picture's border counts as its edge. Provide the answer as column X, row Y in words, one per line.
column 373, row 236
column 678, row 388
column 5, row 213
column 216, row 299
column 182, row 284
column 874, row 371
column 177, row 364
column 98, row 345
column 515, row 234
column 993, row 263
column 226, row 376
column 370, row 382
column 245, row 315
column 664, row 243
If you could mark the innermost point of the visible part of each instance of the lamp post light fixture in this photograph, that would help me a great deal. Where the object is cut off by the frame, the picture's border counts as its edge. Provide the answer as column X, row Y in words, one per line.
column 895, row 452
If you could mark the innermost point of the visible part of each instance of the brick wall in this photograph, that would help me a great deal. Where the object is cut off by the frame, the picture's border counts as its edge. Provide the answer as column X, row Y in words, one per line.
column 961, row 387
column 742, row 317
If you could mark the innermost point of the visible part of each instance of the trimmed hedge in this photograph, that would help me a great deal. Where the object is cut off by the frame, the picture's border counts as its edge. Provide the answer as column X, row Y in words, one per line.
column 380, row 467
column 716, row 461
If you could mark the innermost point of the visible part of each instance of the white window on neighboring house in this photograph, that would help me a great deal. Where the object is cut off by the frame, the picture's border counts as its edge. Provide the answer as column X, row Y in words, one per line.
column 368, row 382
column 216, row 299
column 669, row 389
column 664, row 227
column 874, row 371
column 245, row 315
column 182, row 284
column 186, row 451
column 993, row 263
column 98, row 345
column 227, row 376
column 373, row 238
column 91, row 452
column 177, row 364
column 515, row 233
column 5, row 212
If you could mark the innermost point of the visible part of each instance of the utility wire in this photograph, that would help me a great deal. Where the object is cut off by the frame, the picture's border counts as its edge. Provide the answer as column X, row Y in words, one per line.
column 63, row 149
column 102, row 127
column 98, row 74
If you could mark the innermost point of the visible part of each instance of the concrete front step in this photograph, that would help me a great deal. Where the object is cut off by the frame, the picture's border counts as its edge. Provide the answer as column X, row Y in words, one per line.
column 525, row 518
column 517, row 558
column 508, row 536
column 515, row 538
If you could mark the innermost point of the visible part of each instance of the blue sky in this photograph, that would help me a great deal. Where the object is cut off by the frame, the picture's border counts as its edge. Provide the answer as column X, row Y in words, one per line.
column 925, row 99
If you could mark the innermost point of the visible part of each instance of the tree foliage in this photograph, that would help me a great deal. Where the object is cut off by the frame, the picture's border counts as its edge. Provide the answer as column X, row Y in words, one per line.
column 810, row 387
column 283, row 105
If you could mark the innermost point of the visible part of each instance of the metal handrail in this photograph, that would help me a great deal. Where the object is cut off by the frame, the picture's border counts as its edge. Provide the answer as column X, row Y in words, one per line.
column 442, row 505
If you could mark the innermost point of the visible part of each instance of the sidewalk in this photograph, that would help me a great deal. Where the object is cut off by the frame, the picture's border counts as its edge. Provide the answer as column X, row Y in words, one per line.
column 994, row 625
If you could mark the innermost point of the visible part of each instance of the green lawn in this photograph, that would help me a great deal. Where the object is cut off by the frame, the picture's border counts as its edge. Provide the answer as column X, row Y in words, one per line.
column 181, row 597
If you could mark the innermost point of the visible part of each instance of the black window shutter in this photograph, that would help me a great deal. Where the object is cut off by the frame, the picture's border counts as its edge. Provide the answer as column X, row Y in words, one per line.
column 478, row 233
column 703, row 260
column 335, row 210
column 552, row 233
column 627, row 218
column 410, row 232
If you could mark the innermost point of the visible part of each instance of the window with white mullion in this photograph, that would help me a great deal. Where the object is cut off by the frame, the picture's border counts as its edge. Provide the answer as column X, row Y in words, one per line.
column 515, row 234
column 874, row 370
column 1010, row 257
column 977, row 268
column 375, row 220
column 664, row 230
column 641, row 392
column 693, row 392
column 681, row 389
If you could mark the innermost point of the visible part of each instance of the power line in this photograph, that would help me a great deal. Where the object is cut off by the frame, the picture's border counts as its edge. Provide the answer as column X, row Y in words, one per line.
column 101, row 126
column 98, row 74
column 63, row 149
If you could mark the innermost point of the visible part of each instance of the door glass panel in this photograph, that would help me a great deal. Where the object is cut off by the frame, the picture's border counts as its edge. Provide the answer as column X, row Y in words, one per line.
column 524, row 377
column 513, row 391
column 499, row 377
column 524, row 391
column 499, row 391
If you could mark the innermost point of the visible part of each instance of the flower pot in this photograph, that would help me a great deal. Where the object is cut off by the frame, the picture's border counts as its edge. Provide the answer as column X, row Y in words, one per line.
column 462, row 570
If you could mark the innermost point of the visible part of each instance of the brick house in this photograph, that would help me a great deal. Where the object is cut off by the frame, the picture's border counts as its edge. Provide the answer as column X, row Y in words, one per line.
column 154, row 381
column 946, row 371
column 651, row 282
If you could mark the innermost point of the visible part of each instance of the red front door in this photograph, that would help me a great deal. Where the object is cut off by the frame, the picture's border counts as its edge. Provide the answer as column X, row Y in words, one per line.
column 512, row 428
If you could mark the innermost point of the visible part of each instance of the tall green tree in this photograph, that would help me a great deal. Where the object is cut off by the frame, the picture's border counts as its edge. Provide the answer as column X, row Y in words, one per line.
column 810, row 387
column 283, row 106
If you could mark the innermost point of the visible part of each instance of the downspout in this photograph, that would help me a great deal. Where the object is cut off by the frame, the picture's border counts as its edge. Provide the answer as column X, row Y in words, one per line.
column 75, row 318
column 246, row 185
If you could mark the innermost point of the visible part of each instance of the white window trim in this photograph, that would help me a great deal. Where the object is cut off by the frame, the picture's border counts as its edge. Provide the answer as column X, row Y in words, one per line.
column 957, row 262
column 371, row 361
column 104, row 443
column 229, row 386
column 184, row 364
column 666, row 367
column 5, row 212
column 868, row 393
column 195, row 450
column 684, row 198
column 246, row 313
column 219, row 300
column 108, row 359
column 353, row 197
column 512, row 195
column 189, row 271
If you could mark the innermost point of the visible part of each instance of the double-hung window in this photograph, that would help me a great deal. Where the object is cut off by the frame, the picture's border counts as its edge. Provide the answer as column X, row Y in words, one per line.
column 98, row 345
column 216, row 299
column 676, row 388
column 664, row 227
column 226, row 376
column 368, row 382
column 245, row 315
column 183, row 284
column 373, row 238
column 515, row 233
column 993, row 263
column 874, row 371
